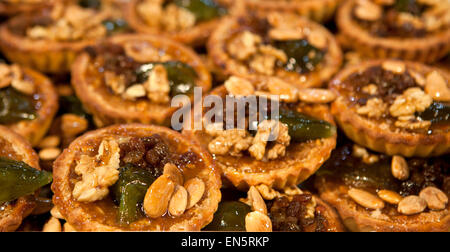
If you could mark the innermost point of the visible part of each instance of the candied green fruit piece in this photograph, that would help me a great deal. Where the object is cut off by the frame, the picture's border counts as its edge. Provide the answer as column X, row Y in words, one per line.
column 302, row 56
column 18, row 179
column 230, row 216
column 15, row 106
column 437, row 113
column 114, row 26
column 203, row 10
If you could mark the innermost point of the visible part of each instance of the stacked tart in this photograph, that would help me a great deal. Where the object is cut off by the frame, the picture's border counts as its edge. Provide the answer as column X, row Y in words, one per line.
column 275, row 44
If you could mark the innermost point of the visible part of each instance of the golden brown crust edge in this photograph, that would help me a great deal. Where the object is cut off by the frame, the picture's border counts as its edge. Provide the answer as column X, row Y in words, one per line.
column 24, row 205
column 106, row 113
column 428, row 49
column 373, row 136
column 358, row 220
column 330, row 214
column 76, row 216
column 36, row 129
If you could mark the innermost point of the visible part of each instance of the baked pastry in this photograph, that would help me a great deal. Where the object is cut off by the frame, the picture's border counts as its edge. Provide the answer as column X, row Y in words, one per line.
column 50, row 41
column 132, row 78
column 189, row 22
column 104, row 177
column 20, row 178
column 28, row 101
column 409, row 30
column 394, row 107
column 375, row 192
column 14, row 7
column 318, row 10
column 275, row 44
column 265, row 210
column 303, row 133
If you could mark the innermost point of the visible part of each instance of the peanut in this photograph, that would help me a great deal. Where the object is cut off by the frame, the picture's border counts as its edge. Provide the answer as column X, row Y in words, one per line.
column 435, row 198
column 437, row 87
column 411, row 205
column 174, row 173
column 399, row 168
column 390, row 196
column 179, row 201
column 156, row 201
column 52, row 225
column 257, row 222
column 256, row 201
column 195, row 188
column 366, row 199
column 315, row 95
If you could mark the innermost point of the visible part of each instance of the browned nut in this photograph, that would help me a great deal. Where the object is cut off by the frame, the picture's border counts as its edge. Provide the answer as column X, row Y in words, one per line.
column 49, row 154
column 178, row 203
column 394, row 66
column 399, row 167
column 195, row 188
column 366, row 199
column 69, row 228
column 316, row 95
column 435, row 198
column 390, row 196
column 437, row 87
column 174, row 173
column 257, row 222
column 239, row 87
column 50, row 142
column 256, row 200
column 412, row 205
column 157, row 198
column 72, row 125
column 52, row 225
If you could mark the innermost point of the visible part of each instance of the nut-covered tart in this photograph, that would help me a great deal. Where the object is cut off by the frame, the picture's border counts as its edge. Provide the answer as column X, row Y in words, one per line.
column 266, row 210
column 275, row 44
column 28, row 101
column 374, row 192
column 394, row 107
column 187, row 21
column 279, row 150
column 49, row 41
column 20, row 178
column 132, row 78
column 417, row 30
column 14, row 7
column 136, row 178
column 318, row 10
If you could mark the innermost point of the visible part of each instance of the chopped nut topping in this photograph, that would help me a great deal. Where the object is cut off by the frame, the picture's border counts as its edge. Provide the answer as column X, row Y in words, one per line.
column 49, row 154
column 367, row 10
column 115, row 82
column 272, row 51
column 317, row 39
column 239, row 86
column 412, row 205
column 394, row 66
column 265, row 131
column 435, row 198
column 437, row 87
column 134, row 92
column 316, row 95
column 375, row 108
column 366, row 199
column 231, row 141
column 256, row 201
column 170, row 18
column 157, row 85
column 97, row 173
column 411, row 101
column 13, row 75
column 371, row 89
column 244, row 45
column 286, row 33
column 284, row 90
column 399, row 168
column 263, row 64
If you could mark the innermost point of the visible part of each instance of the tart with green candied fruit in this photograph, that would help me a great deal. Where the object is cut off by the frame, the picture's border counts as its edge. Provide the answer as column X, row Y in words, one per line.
column 416, row 30
column 132, row 78
column 376, row 192
column 268, row 210
column 50, row 40
column 318, row 10
column 394, row 107
column 28, row 101
column 303, row 133
column 275, row 44
column 136, row 178
column 20, row 179
column 187, row 21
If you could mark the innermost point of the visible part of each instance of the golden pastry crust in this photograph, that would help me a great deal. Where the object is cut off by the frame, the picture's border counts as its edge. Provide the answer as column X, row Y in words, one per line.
column 16, row 147
column 36, row 129
column 108, row 108
column 82, row 216
column 230, row 26
column 374, row 135
column 300, row 162
column 317, row 10
column 427, row 49
column 195, row 36
column 358, row 219
column 334, row 223
column 11, row 8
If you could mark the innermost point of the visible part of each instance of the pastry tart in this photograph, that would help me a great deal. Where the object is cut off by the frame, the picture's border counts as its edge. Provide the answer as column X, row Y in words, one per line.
column 410, row 30
column 20, row 177
column 132, row 78
column 28, row 101
column 318, row 10
column 14, row 7
column 275, row 44
column 50, row 41
column 304, row 132
column 189, row 22
column 387, row 194
column 136, row 178
column 265, row 210
column 394, row 107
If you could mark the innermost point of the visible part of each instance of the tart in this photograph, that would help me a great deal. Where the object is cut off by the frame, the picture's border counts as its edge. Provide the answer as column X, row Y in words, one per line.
column 50, row 41
column 28, row 101
column 374, row 192
column 136, row 178
column 189, row 22
column 410, row 30
column 132, row 78
column 275, row 44
column 303, row 133
column 318, row 10
column 394, row 107
column 20, row 177
column 265, row 210
column 14, row 7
